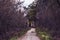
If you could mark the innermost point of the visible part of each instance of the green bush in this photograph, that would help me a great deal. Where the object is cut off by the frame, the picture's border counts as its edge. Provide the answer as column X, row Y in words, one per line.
column 43, row 35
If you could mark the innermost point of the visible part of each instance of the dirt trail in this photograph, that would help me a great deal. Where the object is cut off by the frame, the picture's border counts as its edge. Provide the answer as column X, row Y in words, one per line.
column 30, row 35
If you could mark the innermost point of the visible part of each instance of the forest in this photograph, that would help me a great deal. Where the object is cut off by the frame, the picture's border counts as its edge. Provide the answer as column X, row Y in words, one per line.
column 43, row 14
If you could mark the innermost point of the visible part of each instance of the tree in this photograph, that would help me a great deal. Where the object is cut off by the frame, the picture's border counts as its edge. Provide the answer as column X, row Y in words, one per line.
column 48, row 14
column 31, row 14
column 11, row 21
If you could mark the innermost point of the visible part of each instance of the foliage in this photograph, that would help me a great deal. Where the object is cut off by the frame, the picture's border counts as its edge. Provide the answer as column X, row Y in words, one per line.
column 43, row 35
column 31, row 16
column 19, row 34
column 15, row 38
column 48, row 14
column 31, row 11
column 11, row 21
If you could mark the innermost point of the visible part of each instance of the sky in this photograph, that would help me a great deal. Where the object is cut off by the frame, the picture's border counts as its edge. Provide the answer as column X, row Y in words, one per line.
column 27, row 2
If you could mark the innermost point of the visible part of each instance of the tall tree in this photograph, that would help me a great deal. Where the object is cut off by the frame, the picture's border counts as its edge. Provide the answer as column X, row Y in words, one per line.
column 31, row 13
column 48, row 12
column 11, row 20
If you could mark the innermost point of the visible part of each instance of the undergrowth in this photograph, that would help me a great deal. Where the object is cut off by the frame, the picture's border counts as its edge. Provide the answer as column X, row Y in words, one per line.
column 43, row 35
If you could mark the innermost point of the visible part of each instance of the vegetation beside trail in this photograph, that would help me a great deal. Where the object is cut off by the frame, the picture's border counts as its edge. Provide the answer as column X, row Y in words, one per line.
column 43, row 35
column 19, row 34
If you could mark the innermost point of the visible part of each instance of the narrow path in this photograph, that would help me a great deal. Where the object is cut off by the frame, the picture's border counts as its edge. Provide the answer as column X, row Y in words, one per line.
column 30, row 35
